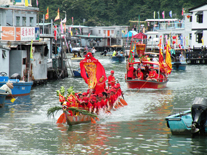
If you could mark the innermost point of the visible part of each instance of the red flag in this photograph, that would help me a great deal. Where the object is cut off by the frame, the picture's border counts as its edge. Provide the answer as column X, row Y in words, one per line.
column 47, row 14
column 89, row 35
column 55, row 33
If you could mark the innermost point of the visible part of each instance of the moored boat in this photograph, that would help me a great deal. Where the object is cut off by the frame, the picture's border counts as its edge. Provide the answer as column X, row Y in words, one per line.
column 190, row 122
column 178, row 60
column 20, row 88
column 3, row 95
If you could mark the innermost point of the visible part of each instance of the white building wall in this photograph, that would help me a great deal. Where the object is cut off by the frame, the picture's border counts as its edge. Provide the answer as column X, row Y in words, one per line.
column 199, row 26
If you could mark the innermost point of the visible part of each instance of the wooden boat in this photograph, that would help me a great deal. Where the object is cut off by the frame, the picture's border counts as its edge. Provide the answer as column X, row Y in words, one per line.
column 142, row 84
column 21, row 88
column 73, row 120
column 192, row 121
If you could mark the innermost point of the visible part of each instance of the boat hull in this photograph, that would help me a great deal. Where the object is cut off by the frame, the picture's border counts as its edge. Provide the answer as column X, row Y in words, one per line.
column 20, row 88
column 179, row 66
column 118, row 59
column 2, row 98
column 141, row 84
column 73, row 120
column 180, row 123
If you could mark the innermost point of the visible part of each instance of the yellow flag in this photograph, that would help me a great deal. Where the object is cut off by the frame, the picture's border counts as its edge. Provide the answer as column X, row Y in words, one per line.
column 31, row 53
column 202, row 41
column 26, row 3
column 71, row 33
column 168, row 59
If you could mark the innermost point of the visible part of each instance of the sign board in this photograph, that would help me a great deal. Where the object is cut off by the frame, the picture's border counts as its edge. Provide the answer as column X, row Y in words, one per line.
column 9, row 33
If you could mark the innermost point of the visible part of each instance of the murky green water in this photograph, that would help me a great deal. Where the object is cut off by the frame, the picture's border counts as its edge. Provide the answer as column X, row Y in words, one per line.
column 138, row 128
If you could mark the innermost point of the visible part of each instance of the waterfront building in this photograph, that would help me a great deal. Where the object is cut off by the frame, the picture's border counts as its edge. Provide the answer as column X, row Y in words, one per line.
column 17, row 30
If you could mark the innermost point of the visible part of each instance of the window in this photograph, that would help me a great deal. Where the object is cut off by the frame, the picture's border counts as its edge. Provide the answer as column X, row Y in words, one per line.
column 99, row 31
column 23, row 21
column 17, row 21
column 3, row 54
column 191, row 18
column 112, row 31
column 117, row 32
column 24, row 61
column 104, row 31
column 199, row 37
column 190, row 36
column 31, row 21
column 200, row 18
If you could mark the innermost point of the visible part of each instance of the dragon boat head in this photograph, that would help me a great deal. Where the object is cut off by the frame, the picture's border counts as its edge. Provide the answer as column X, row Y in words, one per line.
column 64, row 106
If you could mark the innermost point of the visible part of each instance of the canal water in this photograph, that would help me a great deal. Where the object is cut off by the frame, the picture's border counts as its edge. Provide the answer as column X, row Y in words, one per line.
column 138, row 128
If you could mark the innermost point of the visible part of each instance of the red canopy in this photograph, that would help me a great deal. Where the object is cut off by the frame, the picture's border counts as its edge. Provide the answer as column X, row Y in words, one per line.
column 140, row 36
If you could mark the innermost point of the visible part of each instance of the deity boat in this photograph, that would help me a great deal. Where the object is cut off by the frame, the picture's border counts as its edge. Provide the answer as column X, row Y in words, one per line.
column 162, row 68
column 190, row 122
column 151, row 84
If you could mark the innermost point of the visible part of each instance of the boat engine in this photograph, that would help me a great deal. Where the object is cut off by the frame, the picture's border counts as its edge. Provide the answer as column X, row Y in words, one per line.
column 199, row 115
column 15, row 76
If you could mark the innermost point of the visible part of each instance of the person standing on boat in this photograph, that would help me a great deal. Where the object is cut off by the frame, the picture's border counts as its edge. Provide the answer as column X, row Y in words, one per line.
column 111, row 80
column 130, row 71
column 93, row 51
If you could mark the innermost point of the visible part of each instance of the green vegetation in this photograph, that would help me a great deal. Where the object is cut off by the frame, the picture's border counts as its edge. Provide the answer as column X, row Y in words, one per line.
column 110, row 12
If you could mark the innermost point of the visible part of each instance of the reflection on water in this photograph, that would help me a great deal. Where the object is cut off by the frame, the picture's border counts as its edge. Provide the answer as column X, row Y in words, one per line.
column 138, row 128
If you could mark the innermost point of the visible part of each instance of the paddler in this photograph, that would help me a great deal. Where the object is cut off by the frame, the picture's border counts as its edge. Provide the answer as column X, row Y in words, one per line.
column 111, row 80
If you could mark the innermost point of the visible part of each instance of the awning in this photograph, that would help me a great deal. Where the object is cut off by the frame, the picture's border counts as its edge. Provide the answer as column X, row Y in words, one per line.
column 199, row 13
column 199, row 31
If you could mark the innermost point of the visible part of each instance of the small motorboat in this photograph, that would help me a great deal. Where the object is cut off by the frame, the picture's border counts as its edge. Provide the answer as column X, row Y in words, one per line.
column 118, row 59
column 192, row 121
column 178, row 60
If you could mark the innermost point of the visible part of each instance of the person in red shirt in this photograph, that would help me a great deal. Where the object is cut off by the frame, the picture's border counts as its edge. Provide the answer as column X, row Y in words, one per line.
column 152, row 74
column 100, row 87
column 97, row 105
column 111, row 80
column 140, row 75
column 105, row 102
column 130, row 71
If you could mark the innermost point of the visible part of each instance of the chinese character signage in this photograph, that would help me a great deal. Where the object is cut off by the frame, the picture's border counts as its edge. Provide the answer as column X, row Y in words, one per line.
column 19, row 33
column 27, row 33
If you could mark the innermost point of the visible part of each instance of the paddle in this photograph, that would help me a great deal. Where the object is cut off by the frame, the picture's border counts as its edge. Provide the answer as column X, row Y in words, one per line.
column 61, row 119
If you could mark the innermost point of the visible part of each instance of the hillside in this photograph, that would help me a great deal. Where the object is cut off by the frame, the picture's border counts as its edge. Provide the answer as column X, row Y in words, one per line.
column 110, row 12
